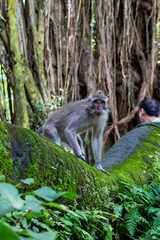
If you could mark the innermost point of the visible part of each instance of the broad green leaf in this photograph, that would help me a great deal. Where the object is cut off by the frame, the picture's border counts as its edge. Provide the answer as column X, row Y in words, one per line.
column 33, row 204
column 6, row 233
column 42, row 236
column 19, row 231
column 28, row 180
column 47, row 193
column 10, row 193
column 5, row 207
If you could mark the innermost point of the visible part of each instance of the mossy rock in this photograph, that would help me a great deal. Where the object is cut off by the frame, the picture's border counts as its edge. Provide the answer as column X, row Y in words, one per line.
column 135, row 157
column 24, row 153
column 27, row 154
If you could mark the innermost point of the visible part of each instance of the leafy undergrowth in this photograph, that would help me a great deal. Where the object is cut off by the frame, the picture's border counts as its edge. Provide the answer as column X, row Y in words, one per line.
column 35, row 215
column 135, row 214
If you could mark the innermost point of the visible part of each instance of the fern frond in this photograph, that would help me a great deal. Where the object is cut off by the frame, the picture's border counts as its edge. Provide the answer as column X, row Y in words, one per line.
column 40, row 224
column 132, row 218
column 156, row 222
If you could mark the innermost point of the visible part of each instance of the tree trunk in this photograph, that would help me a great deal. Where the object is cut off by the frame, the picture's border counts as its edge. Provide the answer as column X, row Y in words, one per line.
column 24, row 154
column 18, row 70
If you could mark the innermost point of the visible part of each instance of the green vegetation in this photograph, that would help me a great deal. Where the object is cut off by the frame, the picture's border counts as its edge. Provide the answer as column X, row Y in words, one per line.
column 37, row 157
column 43, row 110
column 35, row 215
column 138, row 213
column 135, row 214
column 158, row 43
column 6, row 162
column 6, row 96
column 122, row 206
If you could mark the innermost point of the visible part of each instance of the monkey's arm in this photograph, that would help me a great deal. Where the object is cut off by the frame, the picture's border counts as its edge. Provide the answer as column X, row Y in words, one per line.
column 75, row 142
column 39, row 130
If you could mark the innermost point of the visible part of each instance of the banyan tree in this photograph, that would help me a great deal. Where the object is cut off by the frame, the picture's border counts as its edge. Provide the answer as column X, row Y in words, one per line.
column 67, row 49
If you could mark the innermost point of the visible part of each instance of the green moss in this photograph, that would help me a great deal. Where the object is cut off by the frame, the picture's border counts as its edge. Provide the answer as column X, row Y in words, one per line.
column 35, row 156
column 18, row 68
column 5, row 153
column 138, row 166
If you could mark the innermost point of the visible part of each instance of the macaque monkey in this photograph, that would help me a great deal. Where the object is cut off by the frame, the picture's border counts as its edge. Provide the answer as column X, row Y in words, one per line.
column 65, row 123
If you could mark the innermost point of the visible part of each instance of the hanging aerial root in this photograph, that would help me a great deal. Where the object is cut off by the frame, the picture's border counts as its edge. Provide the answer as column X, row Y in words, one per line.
column 130, row 116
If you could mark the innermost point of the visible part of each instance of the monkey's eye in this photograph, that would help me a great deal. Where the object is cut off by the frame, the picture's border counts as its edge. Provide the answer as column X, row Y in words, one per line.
column 99, row 101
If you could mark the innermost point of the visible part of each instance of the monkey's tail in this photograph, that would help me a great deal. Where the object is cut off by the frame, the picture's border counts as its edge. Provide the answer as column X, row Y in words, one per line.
column 39, row 130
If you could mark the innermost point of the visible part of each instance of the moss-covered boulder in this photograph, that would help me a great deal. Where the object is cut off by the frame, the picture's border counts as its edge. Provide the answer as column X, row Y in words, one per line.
column 136, row 156
column 23, row 154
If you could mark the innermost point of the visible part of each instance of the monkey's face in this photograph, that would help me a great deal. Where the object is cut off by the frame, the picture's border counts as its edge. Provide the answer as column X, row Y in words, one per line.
column 99, row 106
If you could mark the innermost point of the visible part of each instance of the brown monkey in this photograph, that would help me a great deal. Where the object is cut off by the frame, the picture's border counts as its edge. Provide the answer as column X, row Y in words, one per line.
column 64, row 124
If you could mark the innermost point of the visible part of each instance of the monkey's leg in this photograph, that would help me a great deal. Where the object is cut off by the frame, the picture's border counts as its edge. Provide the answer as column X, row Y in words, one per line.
column 51, row 133
column 73, row 141
column 80, row 142
column 96, row 148
column 39, row 130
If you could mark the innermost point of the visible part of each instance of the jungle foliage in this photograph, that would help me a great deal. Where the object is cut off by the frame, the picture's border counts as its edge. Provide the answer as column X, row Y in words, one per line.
column 135, row 214
column 54, row 52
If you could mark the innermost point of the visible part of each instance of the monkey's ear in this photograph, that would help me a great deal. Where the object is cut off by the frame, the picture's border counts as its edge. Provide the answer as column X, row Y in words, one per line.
column 90, row 98
column 107, row 99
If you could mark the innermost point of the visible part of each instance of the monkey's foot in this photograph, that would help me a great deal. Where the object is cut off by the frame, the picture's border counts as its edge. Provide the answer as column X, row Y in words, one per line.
column 81, row 156
column 105, row 172
column 99, row 167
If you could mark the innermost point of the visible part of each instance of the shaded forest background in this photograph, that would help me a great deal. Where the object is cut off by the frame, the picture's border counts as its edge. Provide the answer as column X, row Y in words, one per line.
column 54, row 52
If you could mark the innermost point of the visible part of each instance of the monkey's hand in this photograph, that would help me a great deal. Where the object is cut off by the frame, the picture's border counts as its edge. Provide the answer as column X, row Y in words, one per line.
column 99, row 167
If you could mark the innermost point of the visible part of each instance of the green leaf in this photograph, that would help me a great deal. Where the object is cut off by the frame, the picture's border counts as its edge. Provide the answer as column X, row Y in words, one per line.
column 33, row 204
column 62, row 207
column 28, row 180
column 5, row 207
column 2, row 177
column 42, row 236
column 133, row 218
column 34, row 215
column 83, row 214
column 23, row 232
column 7, row 233
column 11, row 194
column 70, row 195
column 48, row 193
